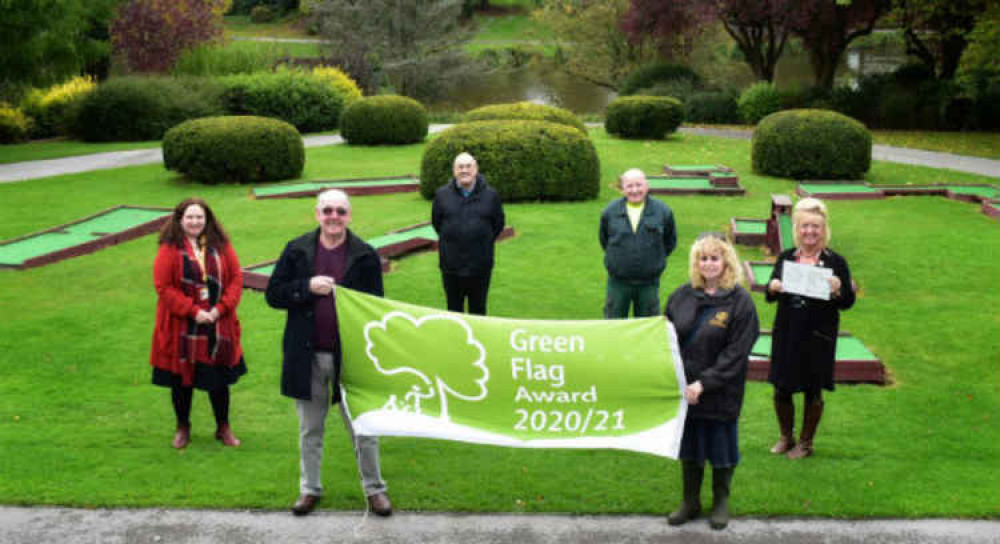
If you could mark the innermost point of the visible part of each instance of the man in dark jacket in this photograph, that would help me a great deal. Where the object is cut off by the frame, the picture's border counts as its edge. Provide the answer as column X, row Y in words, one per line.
column 468, row 218
column 303, row 283
column 637, row 234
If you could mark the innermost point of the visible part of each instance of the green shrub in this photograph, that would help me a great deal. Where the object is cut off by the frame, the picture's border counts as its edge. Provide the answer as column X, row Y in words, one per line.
column 387, row 119
column 291, row 95
column 261, row 14
column 335, row 77
column 14, row 125
column 758, row 101
column 712, row 107
column 142, row 108
column 53, row 107
column 651, row 74
column 525, row 111
column 648, row 117
column 523, row 160
column 681, row 89
column 811, row 144
column 234, row 149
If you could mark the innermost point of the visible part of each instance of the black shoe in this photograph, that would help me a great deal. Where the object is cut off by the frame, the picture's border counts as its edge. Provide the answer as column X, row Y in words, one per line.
column 305, row 504
column 379, row 503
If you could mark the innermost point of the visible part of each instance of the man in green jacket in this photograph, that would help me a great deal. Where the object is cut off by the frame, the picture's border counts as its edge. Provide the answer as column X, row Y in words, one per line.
column 637, row 234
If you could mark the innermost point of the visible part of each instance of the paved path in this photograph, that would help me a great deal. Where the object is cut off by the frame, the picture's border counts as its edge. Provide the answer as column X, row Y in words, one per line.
column 71, row 526
column 23, row 171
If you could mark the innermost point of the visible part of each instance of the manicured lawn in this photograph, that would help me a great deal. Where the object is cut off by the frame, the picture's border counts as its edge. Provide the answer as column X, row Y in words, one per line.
column 54, row 149
column 977, row 144
column 81, row 425
column 241, row 25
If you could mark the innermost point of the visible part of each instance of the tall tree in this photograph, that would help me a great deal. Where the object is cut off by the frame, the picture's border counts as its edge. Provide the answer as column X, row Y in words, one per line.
column 593, row 40
column 413, row 43
column 937, row 31
column 152, row 34
column 760, row 28
column 827, row 27
column 45, row 41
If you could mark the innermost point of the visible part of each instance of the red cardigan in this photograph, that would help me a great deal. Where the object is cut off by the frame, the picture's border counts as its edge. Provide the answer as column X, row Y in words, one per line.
column 174, row 308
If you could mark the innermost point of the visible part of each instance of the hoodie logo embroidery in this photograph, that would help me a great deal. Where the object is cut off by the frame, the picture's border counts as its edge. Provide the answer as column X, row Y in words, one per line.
column 719, row 320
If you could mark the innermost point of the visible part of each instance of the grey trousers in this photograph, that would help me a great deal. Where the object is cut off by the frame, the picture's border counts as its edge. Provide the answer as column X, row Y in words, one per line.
column 312, row 419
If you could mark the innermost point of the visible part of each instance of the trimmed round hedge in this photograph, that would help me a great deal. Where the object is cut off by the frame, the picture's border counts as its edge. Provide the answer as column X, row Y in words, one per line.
column 644, row 117
column 522, row 160
column 387, row 119
column 811, row 144
column 525, row 111
column 310, row 103
column 242, row 149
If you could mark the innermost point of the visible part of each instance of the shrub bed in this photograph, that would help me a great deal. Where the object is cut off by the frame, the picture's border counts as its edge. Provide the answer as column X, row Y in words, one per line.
column 51, row 108
column 758, row 101
column 141, row 108
column 335, row 77
column 646, row 117
column 526, row 111
column 650, row 75
column 295, row 96
column 712, row 107
column 14, row 125
column 813, row 144
column 385, row 119
column 234, row 149
column 522, row 160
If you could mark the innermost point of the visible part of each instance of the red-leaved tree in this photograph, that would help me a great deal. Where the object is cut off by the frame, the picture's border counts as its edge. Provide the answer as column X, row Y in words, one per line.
column 760, row 27
column 828, row 26
column 151, row 34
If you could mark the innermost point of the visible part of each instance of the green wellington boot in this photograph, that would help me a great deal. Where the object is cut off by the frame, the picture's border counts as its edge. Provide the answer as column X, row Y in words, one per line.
column 721, row 479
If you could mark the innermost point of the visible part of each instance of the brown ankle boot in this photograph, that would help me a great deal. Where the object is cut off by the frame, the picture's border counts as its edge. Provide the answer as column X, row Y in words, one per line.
column 225, row 435
column 810, row 421
column 786, row 424
column 182, row 437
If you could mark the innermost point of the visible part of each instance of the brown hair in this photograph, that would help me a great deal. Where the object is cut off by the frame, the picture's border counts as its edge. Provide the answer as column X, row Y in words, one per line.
column 731, row 275
column 213, row 236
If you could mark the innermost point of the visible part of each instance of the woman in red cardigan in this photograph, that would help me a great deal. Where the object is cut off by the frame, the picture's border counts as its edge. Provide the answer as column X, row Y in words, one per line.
column 196, row 342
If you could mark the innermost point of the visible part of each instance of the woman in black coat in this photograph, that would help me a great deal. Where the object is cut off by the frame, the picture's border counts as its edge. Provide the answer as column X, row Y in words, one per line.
column 804, row 338
column 716, row 326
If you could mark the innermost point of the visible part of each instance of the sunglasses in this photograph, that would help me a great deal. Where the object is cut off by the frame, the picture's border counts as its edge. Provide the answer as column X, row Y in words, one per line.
column 339, row 210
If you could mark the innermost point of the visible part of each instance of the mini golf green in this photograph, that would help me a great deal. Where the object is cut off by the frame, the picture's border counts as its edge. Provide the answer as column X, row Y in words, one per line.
column 786, row 228
column 81, row 237
column 426, row 231
column 975, row 190
column 696, row 168
column 350, row 186
column 264, row 269
column 826, row 188
column 849, row 348
column 751, row 226
column 681, row 183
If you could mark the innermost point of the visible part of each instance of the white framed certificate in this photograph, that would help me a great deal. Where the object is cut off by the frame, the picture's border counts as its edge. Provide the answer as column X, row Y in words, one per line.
column 806, row 280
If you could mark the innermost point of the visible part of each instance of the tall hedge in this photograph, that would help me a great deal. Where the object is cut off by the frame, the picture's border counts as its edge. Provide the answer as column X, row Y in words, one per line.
column 295, row 96
column 523, row 160
column 234, row 150
column 386, row 119
column 525, row 111
column 646, row 117
column 811, row 144
column 138, row 108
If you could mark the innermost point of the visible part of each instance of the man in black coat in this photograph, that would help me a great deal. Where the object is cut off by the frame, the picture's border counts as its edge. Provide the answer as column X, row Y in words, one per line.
column 468, row 218
column 303, row 283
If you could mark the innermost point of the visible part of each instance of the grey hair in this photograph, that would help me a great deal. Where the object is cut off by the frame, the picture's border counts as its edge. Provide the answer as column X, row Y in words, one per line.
column 464, row 155
column 633, row 173
column 332, row 194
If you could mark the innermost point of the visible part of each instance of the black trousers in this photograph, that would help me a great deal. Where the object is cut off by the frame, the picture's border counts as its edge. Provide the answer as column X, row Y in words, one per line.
column 458, row 289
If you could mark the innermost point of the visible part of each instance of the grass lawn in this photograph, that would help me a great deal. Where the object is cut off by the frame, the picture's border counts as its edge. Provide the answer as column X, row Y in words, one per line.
column 81, row 425
column 286, row 27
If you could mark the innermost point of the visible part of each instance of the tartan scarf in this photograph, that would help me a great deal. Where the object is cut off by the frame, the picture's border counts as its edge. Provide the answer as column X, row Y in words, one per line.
column 207, row 344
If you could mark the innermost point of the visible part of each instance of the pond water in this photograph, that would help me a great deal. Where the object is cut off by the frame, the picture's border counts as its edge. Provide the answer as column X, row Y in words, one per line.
column 544, row 83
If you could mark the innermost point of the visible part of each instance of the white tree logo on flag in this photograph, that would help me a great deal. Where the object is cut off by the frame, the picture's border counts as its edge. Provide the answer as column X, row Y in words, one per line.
column 438, row 377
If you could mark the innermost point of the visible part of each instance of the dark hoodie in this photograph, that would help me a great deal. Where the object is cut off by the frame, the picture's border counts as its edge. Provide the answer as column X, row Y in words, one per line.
column 467, row 227
column 716, row 334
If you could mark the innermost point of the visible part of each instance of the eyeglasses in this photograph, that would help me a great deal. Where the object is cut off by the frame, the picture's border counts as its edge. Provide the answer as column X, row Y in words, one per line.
column 339, row 210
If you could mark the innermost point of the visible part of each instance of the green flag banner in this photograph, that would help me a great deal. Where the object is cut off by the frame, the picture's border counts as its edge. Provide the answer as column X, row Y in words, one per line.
column 416, row 371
